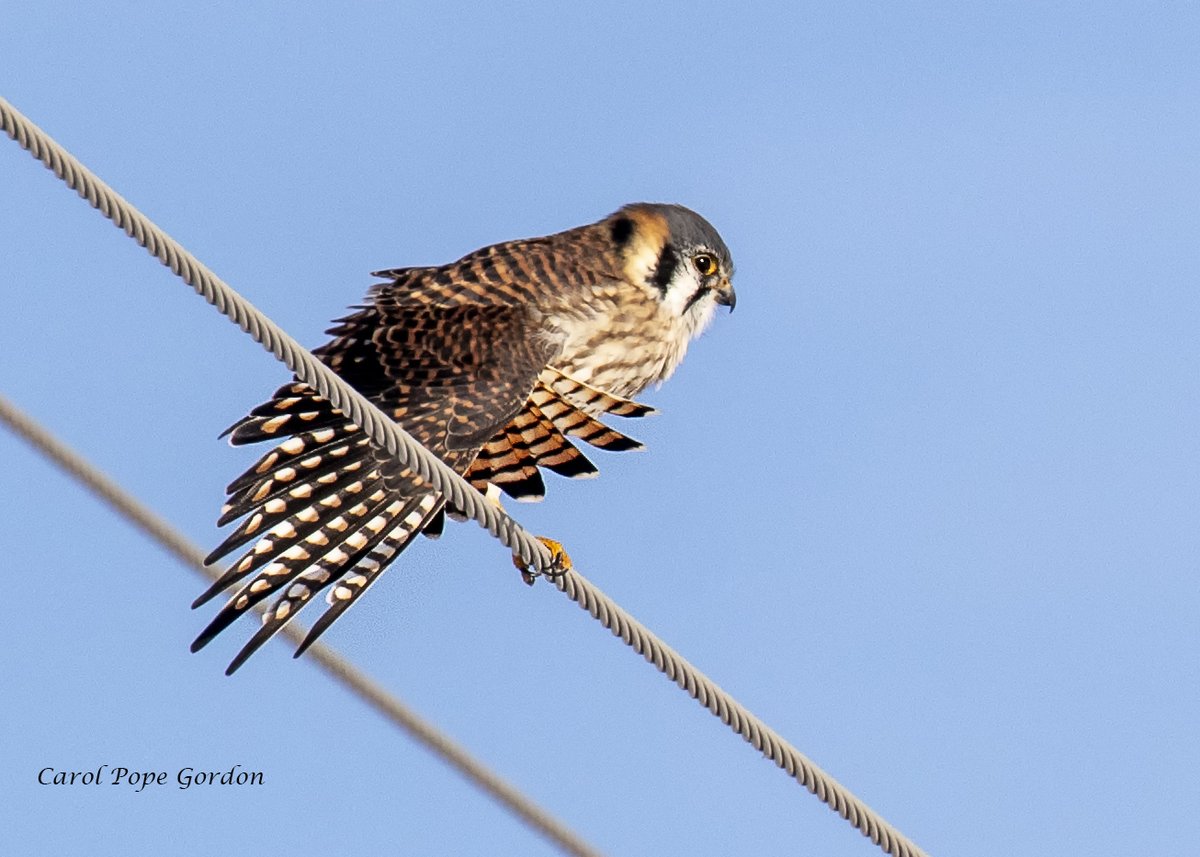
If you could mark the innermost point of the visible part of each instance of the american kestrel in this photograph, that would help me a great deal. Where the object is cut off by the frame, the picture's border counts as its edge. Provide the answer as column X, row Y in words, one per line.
column 490, row 362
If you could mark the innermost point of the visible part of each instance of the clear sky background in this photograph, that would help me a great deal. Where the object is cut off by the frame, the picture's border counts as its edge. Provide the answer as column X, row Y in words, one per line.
column 927, row 502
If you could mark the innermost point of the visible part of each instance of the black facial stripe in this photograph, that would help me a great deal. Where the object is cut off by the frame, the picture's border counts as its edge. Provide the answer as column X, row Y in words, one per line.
column 622, row 229
column 695, row 297
column 664, row 270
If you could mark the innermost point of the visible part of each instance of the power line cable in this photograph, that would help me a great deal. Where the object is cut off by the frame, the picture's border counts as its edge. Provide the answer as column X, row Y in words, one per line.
column 390, row 436
column 349, row 676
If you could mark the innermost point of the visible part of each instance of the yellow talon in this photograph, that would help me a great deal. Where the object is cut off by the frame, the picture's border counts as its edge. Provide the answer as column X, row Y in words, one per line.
column 560, row 562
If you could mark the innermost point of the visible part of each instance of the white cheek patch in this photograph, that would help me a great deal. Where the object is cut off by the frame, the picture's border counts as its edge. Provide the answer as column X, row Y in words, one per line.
column 680, row 290
column 691, row 320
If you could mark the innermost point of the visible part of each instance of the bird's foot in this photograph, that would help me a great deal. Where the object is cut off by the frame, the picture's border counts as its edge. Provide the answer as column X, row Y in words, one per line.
column 560, row 562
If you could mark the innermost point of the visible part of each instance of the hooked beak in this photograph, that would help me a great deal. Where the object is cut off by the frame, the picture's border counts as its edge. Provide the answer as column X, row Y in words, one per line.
column 725, row 295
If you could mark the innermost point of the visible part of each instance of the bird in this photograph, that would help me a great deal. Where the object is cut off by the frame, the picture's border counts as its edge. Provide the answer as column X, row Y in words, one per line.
column 493, row 363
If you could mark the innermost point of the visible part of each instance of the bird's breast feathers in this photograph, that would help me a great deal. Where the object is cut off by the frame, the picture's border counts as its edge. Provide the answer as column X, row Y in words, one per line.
column 623, row 344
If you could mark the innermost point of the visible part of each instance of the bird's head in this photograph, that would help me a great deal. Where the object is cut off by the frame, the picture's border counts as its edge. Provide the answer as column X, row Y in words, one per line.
column 678, row 256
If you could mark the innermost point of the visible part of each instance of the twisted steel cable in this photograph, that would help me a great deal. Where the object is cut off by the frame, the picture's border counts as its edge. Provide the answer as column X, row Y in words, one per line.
column 387, row 434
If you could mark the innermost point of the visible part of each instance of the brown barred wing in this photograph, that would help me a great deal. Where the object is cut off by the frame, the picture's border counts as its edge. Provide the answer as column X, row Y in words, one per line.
column 591, row 400
column 524, row 272
column 324, row 508
column 537, row 437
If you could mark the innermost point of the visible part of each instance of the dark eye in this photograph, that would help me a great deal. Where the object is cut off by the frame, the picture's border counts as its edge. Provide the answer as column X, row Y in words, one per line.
column 705, row 264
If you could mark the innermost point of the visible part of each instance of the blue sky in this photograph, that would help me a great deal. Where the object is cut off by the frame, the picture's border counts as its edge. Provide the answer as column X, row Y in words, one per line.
column 926, row 503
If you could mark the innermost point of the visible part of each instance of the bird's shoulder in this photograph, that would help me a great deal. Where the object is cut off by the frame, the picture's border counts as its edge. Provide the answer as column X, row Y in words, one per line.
column 527, row 271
